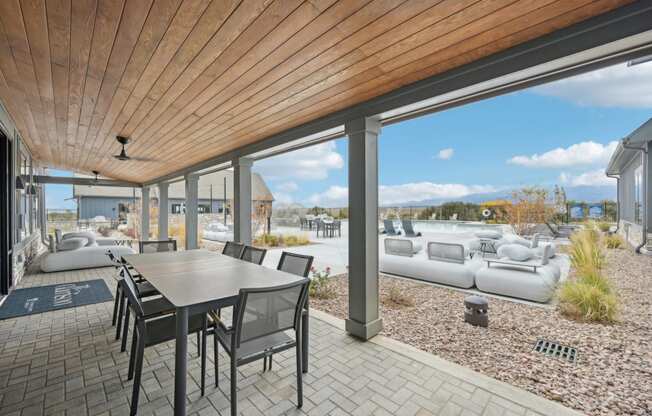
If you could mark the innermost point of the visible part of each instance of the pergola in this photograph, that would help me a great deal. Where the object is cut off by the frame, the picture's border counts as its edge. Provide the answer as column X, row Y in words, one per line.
column 202, row 85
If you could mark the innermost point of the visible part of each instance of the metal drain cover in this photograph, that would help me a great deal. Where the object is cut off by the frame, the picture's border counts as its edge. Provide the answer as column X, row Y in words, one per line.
column 554, row 349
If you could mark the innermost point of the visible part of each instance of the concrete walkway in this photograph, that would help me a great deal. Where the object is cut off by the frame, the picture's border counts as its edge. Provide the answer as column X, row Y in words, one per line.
column 67, row 362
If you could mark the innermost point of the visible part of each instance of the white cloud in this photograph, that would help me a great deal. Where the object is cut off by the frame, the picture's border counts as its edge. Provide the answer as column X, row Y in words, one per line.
column 615, row 86
column 287, row 186
column 421, row 191
column 334, row 196
column 337, row 196
column 283, row 198
column 445, row 154
column 592, row 178
column 584, row 153
column 310, row 163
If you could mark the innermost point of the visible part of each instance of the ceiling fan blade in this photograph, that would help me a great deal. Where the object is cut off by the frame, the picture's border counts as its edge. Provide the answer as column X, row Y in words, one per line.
column 143, row 159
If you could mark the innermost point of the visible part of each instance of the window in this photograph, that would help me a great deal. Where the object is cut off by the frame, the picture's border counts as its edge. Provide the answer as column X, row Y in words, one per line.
column 23, row 217
column 178, row 209
column 203, row 209
column 638, row 195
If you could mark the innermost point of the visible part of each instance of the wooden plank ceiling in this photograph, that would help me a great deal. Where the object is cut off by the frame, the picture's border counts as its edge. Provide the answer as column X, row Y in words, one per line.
column 192, row 79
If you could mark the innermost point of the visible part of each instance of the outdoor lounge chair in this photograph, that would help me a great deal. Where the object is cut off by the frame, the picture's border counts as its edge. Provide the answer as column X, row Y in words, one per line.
column 559, row 232
column 408, row 229
column 389, row 228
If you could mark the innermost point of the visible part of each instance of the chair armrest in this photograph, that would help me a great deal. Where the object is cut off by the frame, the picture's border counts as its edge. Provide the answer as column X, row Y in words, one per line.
column 218, row 321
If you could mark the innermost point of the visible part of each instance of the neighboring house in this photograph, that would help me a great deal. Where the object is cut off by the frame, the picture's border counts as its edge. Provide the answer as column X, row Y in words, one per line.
column 115, row 202
column 630, row 166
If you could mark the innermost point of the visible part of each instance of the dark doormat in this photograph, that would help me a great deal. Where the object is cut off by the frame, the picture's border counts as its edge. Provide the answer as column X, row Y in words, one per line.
column 41, row 299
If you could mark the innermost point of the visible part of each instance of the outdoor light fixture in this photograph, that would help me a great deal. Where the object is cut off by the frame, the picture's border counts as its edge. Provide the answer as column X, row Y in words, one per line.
column 31, row 190
column 19, row 183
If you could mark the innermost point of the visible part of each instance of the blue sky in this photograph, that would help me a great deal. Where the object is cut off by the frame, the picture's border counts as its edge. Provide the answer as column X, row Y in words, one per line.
column 561, row 133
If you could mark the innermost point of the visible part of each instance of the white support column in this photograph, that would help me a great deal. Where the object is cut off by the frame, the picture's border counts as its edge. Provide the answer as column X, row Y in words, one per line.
column 144, row 213
column 192, row 192
column 364, row 319
column 242, row 200
column 163, row 210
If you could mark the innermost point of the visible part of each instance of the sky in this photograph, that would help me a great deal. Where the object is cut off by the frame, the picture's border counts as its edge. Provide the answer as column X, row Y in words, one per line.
column 560, row 133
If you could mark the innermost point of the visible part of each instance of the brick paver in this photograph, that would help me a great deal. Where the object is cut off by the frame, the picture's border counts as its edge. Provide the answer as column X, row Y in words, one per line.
column 68, row 363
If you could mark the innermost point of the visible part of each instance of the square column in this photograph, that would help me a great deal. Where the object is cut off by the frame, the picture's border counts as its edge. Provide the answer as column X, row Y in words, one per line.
column 192, row 191
column 163, row 210
column 144, row 214
column 242, row 200
column 364, row 319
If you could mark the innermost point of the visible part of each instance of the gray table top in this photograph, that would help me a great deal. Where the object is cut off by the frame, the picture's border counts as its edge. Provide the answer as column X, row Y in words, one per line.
column 194, row 277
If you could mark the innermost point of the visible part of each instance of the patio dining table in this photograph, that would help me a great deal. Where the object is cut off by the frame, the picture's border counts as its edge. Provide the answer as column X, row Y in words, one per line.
column 196, row 281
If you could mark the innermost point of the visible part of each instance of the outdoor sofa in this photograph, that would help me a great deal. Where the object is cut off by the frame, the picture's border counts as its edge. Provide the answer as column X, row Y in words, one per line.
column 80, row 250
column 443, row 263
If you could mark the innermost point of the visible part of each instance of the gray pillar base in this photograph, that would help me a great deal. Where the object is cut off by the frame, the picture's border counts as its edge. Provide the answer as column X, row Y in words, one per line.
column 362, row 330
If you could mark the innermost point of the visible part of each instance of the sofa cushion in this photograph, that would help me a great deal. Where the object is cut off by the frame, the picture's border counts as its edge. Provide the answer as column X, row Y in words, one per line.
column 89, row 236
column 514, row 252
column 73, row 243
column 490, row 234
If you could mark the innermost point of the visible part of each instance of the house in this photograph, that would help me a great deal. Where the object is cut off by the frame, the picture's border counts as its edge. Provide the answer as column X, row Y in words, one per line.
column 115, row 202
column 629, row 164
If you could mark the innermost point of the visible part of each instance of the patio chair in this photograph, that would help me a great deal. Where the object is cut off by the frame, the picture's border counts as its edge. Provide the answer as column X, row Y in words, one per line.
column 389, row 228
column 298, row 264
column 152, row 308
column 233, row 249
column 408, row 229
column 152, row 246
column 559, row 232
column 260, row 326
column 150, row 332
column 253, row 254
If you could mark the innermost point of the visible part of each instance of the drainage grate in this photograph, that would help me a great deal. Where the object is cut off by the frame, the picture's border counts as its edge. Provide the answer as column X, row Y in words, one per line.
column 553, row 349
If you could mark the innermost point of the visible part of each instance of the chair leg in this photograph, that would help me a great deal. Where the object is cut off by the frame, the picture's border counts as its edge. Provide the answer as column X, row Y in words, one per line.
column 234, row 388
column 125, row 329
column 299, row 375
column 139, row 372
column 203, row 359
column 115, row 304
column 132, row 355
column 121, row 310
column 216, row 358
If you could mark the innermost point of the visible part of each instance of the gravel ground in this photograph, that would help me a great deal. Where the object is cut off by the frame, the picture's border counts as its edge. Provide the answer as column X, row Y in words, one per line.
column 613, row 374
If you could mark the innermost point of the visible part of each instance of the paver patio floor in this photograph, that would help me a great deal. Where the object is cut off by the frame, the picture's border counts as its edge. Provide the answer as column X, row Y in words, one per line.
column 68, row 362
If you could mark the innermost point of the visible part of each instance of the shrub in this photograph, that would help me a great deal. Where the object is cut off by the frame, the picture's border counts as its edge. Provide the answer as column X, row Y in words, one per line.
column 398, row 297
column 614, row 241
column 320, row 286
column 272, row 240
column 586, row 252
column 604, row 226
column 585, row 301
column 104, row 231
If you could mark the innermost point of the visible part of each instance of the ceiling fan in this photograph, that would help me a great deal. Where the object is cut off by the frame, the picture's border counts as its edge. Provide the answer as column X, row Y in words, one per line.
column 124, row 141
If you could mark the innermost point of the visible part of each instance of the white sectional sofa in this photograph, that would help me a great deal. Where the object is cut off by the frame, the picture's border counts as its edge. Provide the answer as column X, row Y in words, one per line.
column 440, row 263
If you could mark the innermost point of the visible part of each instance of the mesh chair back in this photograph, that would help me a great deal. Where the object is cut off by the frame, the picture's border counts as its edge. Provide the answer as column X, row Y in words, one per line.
column 132, row 293
column 233, row 249
column 399, row 247
column 157, row 246
column 295, row 263
column 389, row 227
column 253, row 254
column 113, row 258
column 58, row 235
column 452, row 253
column 266, row 311
column 407, row 227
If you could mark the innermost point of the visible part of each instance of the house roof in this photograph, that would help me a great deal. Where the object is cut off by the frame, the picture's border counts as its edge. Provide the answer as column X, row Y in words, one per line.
column 200, row 80
column 210, row 185
column 628, row 148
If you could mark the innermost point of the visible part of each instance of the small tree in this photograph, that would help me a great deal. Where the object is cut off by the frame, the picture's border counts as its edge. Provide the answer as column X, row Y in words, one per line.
column 528, row 209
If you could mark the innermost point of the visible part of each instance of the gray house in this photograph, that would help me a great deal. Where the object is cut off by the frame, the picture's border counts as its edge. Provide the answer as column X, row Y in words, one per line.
column 115, row 202
column 630, row 165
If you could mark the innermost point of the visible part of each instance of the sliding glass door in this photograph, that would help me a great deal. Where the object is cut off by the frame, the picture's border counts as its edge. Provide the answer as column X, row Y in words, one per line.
column 6, row 206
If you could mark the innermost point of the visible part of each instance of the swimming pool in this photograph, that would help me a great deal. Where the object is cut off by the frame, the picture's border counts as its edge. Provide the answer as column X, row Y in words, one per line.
column 456, row 227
